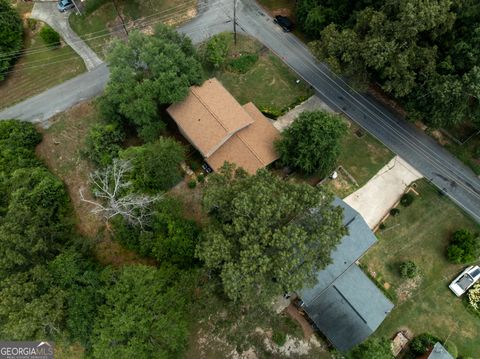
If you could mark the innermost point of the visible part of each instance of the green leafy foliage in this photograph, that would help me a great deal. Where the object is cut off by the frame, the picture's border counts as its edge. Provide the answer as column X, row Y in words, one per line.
column 464, row 247
column 156, row 166
column 408, row 269
column 50, row 36
column 103, row 143
column 11, row 36
column 374, row 348
column 262, row 237
column 279, row 338
column 425, row 53
column 192, row 184
column 312, row 143
column 422, row 343
column 407, row 199
column 243, row 63
column 216, row 49
column 168, row 238
column 146, row 73
column 144, row 314
column 394, row 212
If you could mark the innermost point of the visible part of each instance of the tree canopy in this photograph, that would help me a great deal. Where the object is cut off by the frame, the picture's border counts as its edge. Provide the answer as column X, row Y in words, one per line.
column 11, row 36
column 144, row 314
column 263, row 237
column 156, row 166
column 312, row 142
column 423, row 52
column 148, row 72
column 374, row 348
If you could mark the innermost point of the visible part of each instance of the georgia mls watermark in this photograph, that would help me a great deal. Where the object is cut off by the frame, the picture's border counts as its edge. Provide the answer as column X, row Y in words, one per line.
column 26, row 350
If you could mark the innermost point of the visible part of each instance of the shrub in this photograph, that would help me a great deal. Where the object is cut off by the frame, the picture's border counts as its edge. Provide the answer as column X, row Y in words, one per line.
column 474, row 296
column 422, row 343
column 464, row 247
column 103, row 143
column 32, row 24
column 50, row 36
column 407, row 199
column 394, row 212
column 243, row 63
column 408, row 269
column 382, row 226
column 216, row 50
column 201, row 178
column 192, row 184
column 11, row 35
column 373, row 348
column 279, row 338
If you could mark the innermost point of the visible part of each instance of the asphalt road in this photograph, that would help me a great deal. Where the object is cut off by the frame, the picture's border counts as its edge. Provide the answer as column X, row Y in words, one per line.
column 423, row 153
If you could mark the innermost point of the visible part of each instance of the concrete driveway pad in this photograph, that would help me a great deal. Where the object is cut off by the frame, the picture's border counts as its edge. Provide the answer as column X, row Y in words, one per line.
column 374, row 200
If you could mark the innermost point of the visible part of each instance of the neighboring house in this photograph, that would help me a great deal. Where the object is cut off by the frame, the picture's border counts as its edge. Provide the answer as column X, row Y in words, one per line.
column 223, row 130
column 345, row 305
column 438, row 352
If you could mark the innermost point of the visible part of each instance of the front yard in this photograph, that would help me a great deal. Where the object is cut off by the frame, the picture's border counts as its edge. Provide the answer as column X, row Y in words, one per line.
column 268, row 83
column 99, row 26
column 40, row 67
column 420, row 233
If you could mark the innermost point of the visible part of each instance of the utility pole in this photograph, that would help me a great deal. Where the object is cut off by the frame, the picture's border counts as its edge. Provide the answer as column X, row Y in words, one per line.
column 235, row 22
column 76, row 7
column 120, row 16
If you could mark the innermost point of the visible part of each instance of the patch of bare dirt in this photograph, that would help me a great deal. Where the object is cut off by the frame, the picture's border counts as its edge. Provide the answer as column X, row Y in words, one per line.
column 377, row 92
column 307, row 329
column 191, row 199
column 282, row 11
column 406, row 289
column 440, row 137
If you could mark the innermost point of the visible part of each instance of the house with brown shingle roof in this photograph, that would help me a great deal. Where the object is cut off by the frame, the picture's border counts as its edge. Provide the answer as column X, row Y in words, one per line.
column 223, row 130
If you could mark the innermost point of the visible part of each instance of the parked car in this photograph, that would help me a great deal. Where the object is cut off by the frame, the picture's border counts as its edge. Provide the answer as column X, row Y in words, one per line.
column 65, row 5
column 465, row 280
column 285, row 23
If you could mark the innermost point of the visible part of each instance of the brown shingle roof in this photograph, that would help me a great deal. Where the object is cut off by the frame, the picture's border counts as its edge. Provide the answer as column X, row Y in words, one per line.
column 250, row 148
column 209, row 116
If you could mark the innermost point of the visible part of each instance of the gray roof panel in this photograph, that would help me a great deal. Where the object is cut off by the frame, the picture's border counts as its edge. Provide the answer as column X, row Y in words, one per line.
column 439, row 352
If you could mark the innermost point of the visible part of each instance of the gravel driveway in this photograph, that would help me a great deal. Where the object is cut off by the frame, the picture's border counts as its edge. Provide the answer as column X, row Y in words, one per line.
column 48, row 12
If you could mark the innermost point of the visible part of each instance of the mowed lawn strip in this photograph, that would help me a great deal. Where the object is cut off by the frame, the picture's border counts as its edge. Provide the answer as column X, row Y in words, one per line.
column 39, row 69
column 420, row 233
column 269, row 83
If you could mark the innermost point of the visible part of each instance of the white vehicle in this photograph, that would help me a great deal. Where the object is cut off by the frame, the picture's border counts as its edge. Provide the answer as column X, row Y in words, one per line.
column 465, row 280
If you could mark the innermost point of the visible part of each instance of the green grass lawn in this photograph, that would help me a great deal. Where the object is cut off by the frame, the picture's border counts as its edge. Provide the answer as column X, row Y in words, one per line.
column 420, row 233
column 361, row 156
column 269, row 83
column 39, row 69
column 97, row 27
column 467, row 153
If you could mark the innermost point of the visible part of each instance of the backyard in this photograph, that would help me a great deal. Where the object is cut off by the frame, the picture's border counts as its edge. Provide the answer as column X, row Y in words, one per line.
column 420, row 233
column 268, row 82
column 40, row 67
column 100, row 22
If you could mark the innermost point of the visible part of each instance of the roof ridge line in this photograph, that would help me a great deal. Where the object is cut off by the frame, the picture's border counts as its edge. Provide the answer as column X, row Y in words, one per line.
column 209, row 110
column 248, row 146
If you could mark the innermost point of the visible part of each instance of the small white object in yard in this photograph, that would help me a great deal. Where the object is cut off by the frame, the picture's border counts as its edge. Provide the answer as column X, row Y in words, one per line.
column 298, row 81
column 334, row 175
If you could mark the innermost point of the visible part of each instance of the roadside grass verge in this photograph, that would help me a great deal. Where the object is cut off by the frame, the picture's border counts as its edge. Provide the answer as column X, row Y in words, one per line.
column 39, row 69
column 269, row 83
column 468, row 153
column 420, row 233
column 101, row 25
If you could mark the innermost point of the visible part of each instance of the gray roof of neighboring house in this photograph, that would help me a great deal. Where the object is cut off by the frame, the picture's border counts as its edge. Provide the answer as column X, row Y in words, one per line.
column 439, row 352
column 345, row 304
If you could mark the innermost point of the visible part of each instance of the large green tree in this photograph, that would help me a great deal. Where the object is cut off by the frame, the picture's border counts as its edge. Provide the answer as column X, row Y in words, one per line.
column 11, row 36
column 374, row 348
column 156, row 166
column 144, row 314
column 312, row 142
column 263, row 237
column 146, row 73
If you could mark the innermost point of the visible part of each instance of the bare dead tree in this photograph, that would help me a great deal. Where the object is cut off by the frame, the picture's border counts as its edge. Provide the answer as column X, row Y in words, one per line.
column 112, row 189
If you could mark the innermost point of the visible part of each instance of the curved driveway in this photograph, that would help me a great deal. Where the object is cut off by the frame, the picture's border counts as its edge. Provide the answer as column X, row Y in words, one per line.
column 419, row 150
